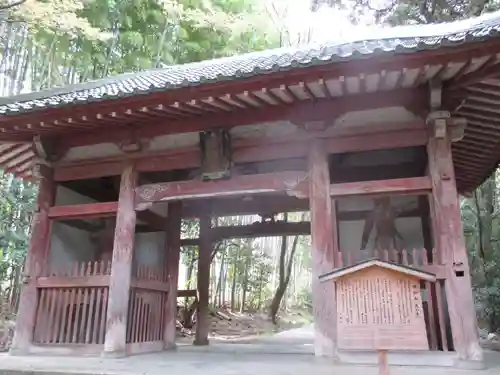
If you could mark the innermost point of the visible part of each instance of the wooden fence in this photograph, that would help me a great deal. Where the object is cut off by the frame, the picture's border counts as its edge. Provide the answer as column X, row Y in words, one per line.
column 146, row 315
column 72, row 304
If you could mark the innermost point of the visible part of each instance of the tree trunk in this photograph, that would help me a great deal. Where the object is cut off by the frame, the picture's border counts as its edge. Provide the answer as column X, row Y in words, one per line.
column 218, row 292
column 190, row 268
column 245, row 284
column 235, row 273
column 284, row 276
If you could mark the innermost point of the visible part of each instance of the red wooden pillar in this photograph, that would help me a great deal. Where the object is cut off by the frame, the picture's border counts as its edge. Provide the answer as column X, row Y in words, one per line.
column 324, row 246
column 451, row 249
column 121, row 267
column 172, row 264
column 36, row 258
column 204, row 260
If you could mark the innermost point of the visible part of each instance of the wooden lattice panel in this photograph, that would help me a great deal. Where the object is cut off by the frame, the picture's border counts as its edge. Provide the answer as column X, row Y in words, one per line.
column 380, row 309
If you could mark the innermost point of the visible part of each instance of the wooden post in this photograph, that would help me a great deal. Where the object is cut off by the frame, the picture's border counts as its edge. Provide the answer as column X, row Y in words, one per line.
column 323, row 231
column 36, row 258
column 172, row 264
column 450, row 244
column 204, row 260
column 383, row 363
column 121, row 267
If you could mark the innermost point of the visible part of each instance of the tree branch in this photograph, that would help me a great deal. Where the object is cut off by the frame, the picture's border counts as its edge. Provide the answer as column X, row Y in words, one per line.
column 12, row 5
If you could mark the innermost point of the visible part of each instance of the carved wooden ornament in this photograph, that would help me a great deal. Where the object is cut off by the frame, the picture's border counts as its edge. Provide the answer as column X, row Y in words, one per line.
column 379, row 306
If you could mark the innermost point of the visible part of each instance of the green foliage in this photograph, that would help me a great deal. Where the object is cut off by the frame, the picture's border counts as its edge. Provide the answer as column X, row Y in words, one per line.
column 46, row 43
column 481, row 222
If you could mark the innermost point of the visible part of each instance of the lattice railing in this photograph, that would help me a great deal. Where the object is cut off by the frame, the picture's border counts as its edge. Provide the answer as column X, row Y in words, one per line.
column 148, row 298
column 72, row 304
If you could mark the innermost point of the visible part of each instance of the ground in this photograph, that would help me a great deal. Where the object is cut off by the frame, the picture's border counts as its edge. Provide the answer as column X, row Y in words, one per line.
column 284, row 353
column 227, row 326
column 195, row 361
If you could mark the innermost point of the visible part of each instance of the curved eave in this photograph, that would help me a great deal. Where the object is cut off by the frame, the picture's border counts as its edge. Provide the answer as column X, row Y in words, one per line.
column 466, row 62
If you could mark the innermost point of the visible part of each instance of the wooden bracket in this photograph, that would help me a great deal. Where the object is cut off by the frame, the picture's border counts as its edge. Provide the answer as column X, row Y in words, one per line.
column 46, row 148
column 435, row 94
column 442, row 124
column 133, row 145
column 216, row 154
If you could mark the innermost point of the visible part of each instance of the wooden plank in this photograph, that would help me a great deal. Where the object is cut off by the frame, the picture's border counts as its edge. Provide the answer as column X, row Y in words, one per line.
column 172, row 266
column 288, row 181
column 265, row 229
column 37, row 254
column 450, row 242
column 203, row 280
column 405, row 134
column 187, row 293
column 190, row 242
column 72, row 281
column 430, row 305
column 121, row 268
column 298, row 112
column 159, row 286
column 84, row 211
column 322, row 249
column 398, row 186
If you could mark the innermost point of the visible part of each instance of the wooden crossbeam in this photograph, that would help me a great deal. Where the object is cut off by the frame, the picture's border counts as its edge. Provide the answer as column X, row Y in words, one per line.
column 397, row 186
column 239, row 185
column 279, row 228
column 84, row 211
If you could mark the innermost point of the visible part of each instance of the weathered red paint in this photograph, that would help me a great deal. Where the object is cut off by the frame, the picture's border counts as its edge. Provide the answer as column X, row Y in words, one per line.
column 322, row 238
column 235, row 205
column 445, row 209
column 398, row 186
column 37, row 254
column 172, row 264
column 298, row 112
column 261, row 230
column 83, row 211
column 121, row 269
column 381, row 136
column 323, row 71
column 204, row 260
column 238, row 185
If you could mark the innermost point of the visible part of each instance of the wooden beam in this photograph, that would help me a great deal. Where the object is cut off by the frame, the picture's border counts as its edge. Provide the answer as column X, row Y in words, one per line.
column 84, row 211
column 397, row 186
column 190, row 242
column 298, row 112
column 399, row 135
column 489, row 69
column 121, row 269
column 451, row 248
column 172, row 265
column 239, row 185
column 322, row 249
column 265, row 204
column 204, row 260
column 37, row 256
column 279, row 228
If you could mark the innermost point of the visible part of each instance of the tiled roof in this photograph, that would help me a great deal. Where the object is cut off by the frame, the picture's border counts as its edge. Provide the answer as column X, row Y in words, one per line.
column 404, row 39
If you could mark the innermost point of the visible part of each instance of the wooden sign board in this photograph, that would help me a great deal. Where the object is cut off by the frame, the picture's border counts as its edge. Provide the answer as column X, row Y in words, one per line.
column 379, row 306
